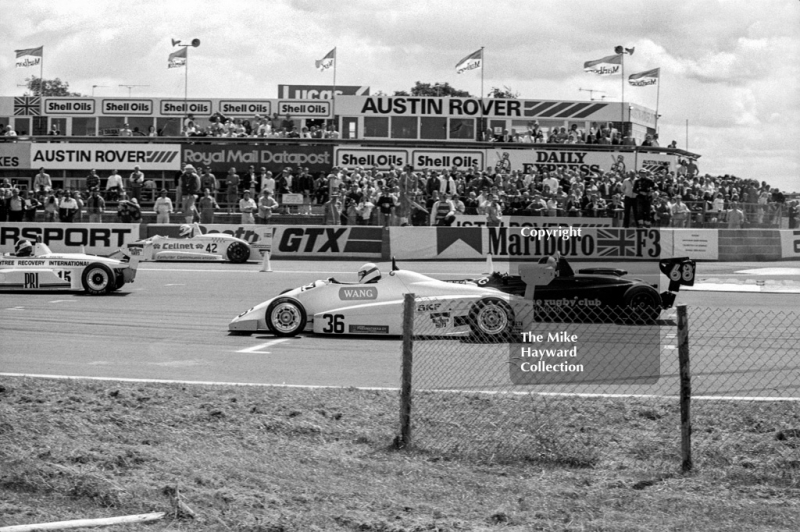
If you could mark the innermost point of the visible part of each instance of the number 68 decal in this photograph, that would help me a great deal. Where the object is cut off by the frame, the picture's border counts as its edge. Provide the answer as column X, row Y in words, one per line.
column 683, row 272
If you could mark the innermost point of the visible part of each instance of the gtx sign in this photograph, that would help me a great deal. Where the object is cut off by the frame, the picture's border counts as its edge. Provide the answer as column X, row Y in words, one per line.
column 106, row 156
column 320, row 92
column 273, row 158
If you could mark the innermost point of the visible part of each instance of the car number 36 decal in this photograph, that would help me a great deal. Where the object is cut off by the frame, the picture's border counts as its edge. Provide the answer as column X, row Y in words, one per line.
column 334, row 323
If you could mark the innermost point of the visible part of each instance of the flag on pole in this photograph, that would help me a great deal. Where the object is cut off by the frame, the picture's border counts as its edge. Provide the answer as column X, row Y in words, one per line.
column 607, row 66
column 471, row 62
column 29, row 57
column 643, row 79
column 326, row 62
column 177, row 59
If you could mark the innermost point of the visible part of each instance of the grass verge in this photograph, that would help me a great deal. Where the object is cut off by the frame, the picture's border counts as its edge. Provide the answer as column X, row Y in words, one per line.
column 279, row 459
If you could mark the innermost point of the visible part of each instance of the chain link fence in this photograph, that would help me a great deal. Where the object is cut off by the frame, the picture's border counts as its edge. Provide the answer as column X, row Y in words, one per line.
column 575, row 386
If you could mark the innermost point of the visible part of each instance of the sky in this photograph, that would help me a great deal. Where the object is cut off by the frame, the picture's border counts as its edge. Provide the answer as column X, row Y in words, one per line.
column 729, row 68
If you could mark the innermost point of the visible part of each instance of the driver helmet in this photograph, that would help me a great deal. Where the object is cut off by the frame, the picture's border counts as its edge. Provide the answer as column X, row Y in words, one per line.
column 24, row 248
column 369, row 273
column 185, row 231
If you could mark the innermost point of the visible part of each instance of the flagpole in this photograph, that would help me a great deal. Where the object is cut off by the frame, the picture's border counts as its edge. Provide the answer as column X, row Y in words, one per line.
column 333, row 95
column 622, row 107
column 483, row 63
column 41, row 75
column 186, row 88
column 658, row 93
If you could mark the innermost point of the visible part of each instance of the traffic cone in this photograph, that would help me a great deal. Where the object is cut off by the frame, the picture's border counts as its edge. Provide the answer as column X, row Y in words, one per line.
column 265, row 265
column 489, row 265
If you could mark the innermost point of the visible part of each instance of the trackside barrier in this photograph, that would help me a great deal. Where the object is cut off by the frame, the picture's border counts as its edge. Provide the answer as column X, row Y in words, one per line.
column 95, row 239
column 694, row 388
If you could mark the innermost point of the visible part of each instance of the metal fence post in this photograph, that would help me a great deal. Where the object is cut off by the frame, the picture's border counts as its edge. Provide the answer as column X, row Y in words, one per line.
column 686, row 389
column 405, row 384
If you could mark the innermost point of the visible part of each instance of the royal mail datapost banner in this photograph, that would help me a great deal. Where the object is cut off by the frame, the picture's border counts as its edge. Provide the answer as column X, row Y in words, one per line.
column 122, row 157
column 95, row 239
column 274, row 158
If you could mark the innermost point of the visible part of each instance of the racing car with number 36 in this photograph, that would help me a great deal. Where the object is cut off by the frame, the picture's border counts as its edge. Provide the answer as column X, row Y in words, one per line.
column 191, row 245
column 491, row 308
column 35, row 268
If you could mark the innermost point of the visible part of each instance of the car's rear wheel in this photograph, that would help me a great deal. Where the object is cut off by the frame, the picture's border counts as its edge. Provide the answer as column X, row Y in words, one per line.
column 98, row 279
column 238, row 252
column 286, row 317
column 643, row 304
column 491, row 319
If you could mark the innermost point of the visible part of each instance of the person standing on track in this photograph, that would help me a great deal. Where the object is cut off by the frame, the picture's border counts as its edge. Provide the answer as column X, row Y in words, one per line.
column 163, row 207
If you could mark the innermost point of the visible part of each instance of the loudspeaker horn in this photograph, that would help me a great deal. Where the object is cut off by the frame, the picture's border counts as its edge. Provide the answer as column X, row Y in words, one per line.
column 195, row 42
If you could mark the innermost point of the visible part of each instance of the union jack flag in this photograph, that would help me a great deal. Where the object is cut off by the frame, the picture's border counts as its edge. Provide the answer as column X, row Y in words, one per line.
column 27, row 105
column 616, row 242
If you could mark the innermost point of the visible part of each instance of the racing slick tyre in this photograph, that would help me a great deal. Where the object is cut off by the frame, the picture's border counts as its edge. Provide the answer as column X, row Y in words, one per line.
column 119, row 282
column 238, row 252
column 641, row 305
column 286, row 317
column 98, row 279
column 491, row 320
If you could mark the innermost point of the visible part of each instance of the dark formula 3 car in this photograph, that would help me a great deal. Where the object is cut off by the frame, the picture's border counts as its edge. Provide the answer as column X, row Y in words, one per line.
column 596, row 294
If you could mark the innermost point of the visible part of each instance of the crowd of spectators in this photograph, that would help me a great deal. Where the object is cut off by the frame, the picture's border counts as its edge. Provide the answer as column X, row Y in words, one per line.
column 407, row 196
column 260, row 126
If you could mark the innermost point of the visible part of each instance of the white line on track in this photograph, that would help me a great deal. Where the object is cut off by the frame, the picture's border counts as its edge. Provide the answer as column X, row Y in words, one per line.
column 257, row 348
column 63, row 301
column 324, row 387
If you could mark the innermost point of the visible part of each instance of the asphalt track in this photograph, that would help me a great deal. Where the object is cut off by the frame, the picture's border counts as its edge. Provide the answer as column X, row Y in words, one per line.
column 171, row 324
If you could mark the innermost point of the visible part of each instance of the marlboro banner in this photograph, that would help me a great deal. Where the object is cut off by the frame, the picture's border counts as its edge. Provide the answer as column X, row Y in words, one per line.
column 471, row 62
column 644, row 79
column 29, row 57
column 177, row 59
column 607, row 66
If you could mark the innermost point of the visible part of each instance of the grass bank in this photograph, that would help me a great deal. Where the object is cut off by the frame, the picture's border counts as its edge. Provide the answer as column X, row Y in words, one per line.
column 279, row 459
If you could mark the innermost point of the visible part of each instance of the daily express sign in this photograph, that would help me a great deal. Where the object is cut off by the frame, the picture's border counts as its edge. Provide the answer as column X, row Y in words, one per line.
column 106, row 156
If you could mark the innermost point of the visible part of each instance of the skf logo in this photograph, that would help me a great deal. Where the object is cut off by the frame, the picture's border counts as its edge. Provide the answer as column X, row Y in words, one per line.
column 358, row 294
column 327, row 240
column 428, row 307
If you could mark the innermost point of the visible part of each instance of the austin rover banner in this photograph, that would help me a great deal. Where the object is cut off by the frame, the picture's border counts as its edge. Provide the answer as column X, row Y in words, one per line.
column 274, row 158
column 120, row 157
column 95, row 239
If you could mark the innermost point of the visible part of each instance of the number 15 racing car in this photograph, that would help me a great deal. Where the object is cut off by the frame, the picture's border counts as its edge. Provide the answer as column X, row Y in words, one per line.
column 191, row 245
column 37, row 268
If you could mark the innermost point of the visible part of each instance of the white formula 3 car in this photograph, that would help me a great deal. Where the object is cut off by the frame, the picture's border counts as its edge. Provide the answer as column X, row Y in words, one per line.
column 45, row 271
column 374, row 306
column 192, row 245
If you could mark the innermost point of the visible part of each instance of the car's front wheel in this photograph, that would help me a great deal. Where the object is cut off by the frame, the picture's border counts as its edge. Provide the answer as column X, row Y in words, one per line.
column 643, row 304
column 238, row 252
column 286, row 317
column 98, row 279
column 491, row 319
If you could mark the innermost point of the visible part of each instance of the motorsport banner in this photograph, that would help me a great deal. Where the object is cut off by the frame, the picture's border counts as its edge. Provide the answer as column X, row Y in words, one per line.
column 258, row 236
column 327, row 241
column 96, row 239
column 120, row 157
column 524, row 243
column 479, row 220
column 222, row 157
